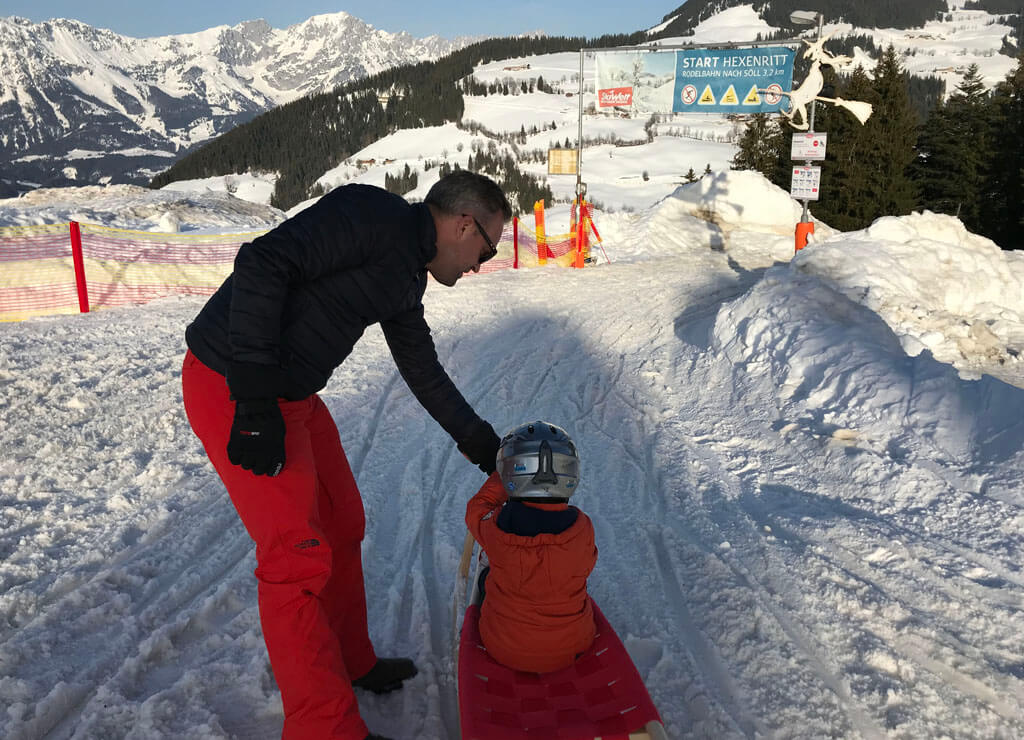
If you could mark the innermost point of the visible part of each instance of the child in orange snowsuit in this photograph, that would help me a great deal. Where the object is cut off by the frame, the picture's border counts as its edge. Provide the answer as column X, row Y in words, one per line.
column 536, row 616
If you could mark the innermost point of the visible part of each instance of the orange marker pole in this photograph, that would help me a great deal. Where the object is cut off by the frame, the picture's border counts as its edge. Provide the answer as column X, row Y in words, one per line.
column 803, row 230
column 542, row 247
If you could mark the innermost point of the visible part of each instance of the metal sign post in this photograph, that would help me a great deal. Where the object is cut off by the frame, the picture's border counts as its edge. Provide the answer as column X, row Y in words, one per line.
column 806, row 181
column 579, row 138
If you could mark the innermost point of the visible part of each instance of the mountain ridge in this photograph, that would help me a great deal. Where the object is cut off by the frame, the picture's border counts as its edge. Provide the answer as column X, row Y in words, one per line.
column 80, row 104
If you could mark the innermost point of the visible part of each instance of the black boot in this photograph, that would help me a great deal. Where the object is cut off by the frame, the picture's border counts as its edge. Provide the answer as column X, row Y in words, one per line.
column 387, row 675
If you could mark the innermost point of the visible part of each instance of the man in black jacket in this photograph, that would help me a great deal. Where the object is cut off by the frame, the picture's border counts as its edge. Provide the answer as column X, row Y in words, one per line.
column 298, row 300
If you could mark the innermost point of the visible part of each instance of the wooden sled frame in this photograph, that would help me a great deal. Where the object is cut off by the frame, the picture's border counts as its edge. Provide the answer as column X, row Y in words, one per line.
column 610, row 668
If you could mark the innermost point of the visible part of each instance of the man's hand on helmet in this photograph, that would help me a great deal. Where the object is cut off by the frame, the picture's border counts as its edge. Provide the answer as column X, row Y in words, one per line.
column 481, row 447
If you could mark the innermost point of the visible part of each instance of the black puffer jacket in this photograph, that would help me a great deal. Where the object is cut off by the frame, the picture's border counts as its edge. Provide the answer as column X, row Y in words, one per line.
column 302, row 295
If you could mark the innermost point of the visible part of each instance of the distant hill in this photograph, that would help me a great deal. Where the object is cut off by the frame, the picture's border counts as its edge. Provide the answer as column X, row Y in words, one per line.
column 862, row 14
column 303, row 139
column 315, row 134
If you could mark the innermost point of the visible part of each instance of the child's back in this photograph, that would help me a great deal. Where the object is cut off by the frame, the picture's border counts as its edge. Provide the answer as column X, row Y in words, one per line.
column 536, row 615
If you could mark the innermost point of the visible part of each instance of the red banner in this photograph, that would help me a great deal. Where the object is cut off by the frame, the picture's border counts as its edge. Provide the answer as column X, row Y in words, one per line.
column 610, row 96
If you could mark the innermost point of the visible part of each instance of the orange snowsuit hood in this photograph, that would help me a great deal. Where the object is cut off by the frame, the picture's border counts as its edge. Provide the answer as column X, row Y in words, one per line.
column 536, row 615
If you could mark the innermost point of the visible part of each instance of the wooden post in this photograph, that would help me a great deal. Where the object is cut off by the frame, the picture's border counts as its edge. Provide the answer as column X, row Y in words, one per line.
column 461, row 588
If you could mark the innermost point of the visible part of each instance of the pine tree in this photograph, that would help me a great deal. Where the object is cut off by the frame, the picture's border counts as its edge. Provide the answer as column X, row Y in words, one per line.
column 762, row 147
column 954, row 151
column 691, row 176
column 938, row 158
column 1003, row 209
column 845, row 177
column 891, row 132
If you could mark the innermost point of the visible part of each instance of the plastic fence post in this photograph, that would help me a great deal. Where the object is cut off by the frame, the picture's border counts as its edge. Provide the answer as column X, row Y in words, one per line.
column 590, row 222
column 803, row 230
column 76, row 256
column 574, row 234
column 581, row 233
column 542, row 248
column 584, row 245
column 515, row 243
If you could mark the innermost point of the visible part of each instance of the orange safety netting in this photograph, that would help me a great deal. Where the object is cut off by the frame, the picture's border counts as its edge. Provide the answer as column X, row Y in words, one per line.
column 120, row 267
column 560, row 250
column 37, row 275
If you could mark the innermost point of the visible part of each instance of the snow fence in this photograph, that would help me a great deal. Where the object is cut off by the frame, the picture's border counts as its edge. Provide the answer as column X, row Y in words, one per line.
column 71, row 267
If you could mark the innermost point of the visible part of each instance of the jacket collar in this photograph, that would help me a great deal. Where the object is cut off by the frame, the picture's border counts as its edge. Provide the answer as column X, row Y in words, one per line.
column 427, row 237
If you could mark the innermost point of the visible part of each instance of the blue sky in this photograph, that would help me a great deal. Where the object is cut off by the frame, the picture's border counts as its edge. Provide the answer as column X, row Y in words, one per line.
column 443, row 17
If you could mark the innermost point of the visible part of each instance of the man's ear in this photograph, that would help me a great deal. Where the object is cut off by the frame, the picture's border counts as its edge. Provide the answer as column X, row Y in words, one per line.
column 453, row 228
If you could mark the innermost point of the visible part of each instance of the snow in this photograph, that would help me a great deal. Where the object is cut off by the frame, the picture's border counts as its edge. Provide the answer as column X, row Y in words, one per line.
column 192, row 205
column 253, row 188
column 971, row 289
column 943, row 49
column 739, row 23
column 804, row 472
column 804, row 529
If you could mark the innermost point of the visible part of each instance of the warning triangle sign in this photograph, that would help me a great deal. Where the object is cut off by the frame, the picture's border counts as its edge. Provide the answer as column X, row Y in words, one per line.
column 707, row 97
column 752, row 97
column 730, row 97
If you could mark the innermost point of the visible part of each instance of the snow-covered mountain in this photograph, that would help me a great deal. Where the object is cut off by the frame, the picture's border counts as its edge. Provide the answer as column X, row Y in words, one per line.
column 80, row 104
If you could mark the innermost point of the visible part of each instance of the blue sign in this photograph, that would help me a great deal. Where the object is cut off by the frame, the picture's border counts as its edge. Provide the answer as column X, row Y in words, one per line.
column 733, row 80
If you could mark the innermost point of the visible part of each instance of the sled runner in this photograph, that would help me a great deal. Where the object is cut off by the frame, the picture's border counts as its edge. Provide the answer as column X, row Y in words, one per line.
column 600, row 697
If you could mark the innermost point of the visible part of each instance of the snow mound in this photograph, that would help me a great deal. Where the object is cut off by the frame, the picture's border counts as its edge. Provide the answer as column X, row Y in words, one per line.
column 737, row 197
column 134, row 207
column 964, row 303
column 838, row 374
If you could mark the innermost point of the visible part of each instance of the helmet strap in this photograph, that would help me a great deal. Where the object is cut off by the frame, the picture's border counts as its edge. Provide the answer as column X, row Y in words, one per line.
column 545, row 465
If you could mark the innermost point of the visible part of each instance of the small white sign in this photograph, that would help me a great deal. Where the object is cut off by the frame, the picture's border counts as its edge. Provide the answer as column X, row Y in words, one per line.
column 808, row 146
column 806, row 183
column 561, row 161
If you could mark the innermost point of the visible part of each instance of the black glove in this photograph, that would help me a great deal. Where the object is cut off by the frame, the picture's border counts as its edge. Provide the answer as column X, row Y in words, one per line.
column 257, row 433
column 481, row 447
column 257, row 437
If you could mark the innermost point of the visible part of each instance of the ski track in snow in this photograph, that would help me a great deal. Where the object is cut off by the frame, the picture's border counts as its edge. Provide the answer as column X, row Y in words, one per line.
column 732, row 491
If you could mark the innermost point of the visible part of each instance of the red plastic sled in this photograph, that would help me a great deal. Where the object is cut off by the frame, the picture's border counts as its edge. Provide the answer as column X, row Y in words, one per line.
column 600, row 696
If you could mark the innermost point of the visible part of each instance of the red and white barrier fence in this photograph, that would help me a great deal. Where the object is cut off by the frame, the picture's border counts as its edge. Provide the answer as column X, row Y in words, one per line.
column 71, row 267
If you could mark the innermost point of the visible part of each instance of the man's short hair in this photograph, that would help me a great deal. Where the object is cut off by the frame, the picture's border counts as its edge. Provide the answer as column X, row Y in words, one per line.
column 463, row 191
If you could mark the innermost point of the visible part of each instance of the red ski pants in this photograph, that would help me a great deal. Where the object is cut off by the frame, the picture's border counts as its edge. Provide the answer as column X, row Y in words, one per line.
column 307, row 524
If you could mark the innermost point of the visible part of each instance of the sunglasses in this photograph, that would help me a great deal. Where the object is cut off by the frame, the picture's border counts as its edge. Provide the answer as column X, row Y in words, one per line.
column 491, row 246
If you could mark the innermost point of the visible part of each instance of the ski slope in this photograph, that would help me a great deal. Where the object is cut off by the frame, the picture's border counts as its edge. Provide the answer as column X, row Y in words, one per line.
column 804, row 475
